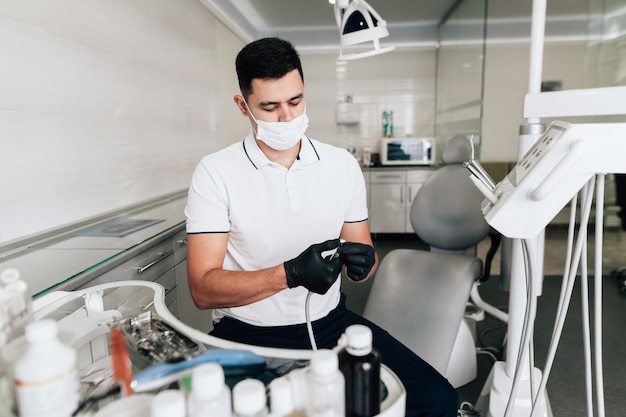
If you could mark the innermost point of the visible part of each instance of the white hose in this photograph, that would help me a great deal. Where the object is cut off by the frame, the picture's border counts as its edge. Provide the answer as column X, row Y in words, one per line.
column 562, row 308
column 309, row 326
column 598, row 294
column 480, row 303
column 586, row 320
column 526, row 327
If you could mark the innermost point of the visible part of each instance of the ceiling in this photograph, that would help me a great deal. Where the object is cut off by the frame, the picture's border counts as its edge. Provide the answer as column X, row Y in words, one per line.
column 310, row 24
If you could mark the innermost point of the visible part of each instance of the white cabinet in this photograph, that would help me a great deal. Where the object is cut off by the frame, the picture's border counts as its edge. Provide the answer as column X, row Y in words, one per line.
column 188, row 313
column 387, row 201
column 155, row 263
column 391, row 193
column 414, row 180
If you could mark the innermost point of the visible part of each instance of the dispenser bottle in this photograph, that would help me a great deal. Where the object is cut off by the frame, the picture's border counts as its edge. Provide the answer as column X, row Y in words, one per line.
column 15, row 305
column 326, row 386
column 360, row 366
column 45, row 377
column 249, row 399
column 209, row 395
column 168, row 403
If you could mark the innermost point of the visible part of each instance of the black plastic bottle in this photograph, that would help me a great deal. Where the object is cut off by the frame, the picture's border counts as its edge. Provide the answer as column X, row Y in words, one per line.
column 360, row 365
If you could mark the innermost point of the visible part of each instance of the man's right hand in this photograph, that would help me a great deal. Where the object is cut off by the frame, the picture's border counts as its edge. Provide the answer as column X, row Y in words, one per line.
column 312, row 271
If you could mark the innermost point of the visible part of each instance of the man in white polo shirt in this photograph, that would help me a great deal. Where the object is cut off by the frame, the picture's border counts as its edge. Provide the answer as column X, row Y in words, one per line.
column 262, row 216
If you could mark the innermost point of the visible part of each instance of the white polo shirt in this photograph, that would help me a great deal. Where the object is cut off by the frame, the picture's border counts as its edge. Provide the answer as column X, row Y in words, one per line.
column 272, row 214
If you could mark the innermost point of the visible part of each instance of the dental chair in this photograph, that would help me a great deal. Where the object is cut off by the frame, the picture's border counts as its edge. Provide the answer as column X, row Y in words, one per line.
column 420, row 296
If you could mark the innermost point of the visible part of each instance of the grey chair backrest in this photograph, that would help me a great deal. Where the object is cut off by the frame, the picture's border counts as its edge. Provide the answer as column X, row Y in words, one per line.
column 446, row 212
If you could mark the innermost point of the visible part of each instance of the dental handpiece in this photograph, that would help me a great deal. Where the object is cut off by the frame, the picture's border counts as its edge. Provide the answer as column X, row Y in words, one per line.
column 333, row 253
column 479, row 172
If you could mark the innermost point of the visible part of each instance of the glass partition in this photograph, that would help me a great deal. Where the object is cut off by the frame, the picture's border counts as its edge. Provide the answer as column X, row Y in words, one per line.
column 460, row 70
column 605, row 58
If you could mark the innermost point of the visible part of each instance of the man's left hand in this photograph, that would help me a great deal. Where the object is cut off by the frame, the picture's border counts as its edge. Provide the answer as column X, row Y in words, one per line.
column 358, row 259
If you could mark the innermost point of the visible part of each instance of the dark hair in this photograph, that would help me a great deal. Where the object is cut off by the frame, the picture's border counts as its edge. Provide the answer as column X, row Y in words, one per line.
column 267, row 58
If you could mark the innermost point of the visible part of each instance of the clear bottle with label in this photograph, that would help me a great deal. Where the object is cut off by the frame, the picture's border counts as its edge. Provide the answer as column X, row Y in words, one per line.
column 249, row 399
column 209, row 396
column 168, row 403
column 360, row 365
column 326, row 386
column 45, row 377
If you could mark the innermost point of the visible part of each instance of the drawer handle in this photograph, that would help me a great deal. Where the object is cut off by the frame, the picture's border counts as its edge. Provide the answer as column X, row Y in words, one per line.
column 163, row 255
column 182, row 242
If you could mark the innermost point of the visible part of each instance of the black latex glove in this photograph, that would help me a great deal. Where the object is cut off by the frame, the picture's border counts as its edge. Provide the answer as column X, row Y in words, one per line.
column 312, row 271
column 358, row 258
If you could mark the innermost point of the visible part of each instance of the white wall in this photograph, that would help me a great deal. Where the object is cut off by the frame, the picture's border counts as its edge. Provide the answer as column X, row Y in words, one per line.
column 104, row 104
column 506, row 83
column 401, row 80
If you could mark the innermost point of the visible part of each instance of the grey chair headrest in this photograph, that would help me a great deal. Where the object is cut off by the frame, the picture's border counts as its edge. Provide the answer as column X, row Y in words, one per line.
column 457, row 150
column 446, row 211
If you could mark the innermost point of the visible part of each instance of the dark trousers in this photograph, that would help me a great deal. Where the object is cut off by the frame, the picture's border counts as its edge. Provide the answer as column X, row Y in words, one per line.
column 428, row 392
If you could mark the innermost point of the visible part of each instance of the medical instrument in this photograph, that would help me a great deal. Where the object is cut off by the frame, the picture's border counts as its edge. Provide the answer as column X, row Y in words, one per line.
column 497, row 397
column 151, row 340
column 567, row 158
column 359, row 24
column 328, row 255
column 314, row 268
column 234, row 362
column 332, row 253
column 116, row 389
column 120, row 361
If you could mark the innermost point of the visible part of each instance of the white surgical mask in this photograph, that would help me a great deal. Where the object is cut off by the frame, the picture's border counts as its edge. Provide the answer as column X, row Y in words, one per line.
column 281, row 135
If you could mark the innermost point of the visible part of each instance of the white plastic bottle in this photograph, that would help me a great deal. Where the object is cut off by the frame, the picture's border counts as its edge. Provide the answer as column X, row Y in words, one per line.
column 209, row 395
column 281, row 398
column 326, row 386
column 168, row 403
column 249, row 399
column 45, row 377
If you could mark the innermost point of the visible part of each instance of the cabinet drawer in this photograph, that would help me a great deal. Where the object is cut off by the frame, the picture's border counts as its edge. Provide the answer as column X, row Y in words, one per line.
column 387, row 177
column 167, row 281
column 147, row 265
column 418, row 176
column 179, row 244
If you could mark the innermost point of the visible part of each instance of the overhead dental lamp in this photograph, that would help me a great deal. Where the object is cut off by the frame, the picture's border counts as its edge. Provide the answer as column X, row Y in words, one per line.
column 359, row 24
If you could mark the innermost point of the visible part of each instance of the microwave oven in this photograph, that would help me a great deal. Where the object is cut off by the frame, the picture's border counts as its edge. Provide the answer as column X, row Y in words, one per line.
column 407, row 151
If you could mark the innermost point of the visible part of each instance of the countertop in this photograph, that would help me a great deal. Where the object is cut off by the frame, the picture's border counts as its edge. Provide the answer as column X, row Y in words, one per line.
column 72, row 258
column 399, row 167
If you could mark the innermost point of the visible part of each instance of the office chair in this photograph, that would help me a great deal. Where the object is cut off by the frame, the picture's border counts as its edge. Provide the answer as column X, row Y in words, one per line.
column 420, row 296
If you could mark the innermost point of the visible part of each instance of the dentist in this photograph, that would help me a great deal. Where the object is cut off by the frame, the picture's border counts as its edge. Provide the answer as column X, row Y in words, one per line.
column 262, row 212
